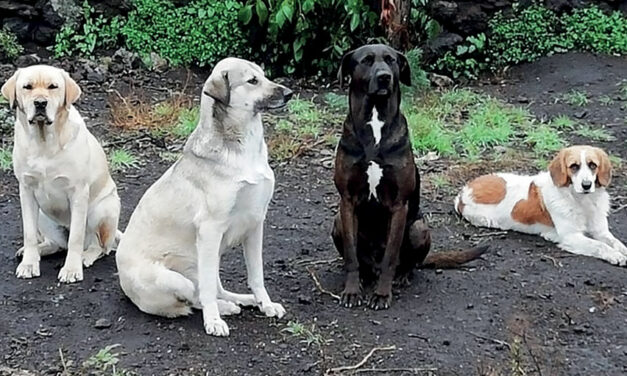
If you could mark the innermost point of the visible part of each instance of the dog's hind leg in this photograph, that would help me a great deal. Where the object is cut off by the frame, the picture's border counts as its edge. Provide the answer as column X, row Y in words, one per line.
column 414, row 250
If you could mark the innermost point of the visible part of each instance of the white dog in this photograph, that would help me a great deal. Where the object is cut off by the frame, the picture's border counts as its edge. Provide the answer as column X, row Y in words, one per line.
column 62, row 172
column 567, row 204
column 214, row 197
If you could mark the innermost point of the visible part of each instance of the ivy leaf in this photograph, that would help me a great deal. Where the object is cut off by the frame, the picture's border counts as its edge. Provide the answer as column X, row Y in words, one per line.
column 298, row 55
column 280, row 19
column 262, row 12
column 245, row 14
column 308, row 6
column 461, row 50
column 202, row 13
column 287, row 9
column 354, row 21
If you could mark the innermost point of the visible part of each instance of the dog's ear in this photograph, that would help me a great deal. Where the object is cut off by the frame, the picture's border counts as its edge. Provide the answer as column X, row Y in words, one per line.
column 404, row 69
column 72, row 90
column 604, row 172
column 346, row 67
column 9, row 89
column 219, row 88
column 559, row 170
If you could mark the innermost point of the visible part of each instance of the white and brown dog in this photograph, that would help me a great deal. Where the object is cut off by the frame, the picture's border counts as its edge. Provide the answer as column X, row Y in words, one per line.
column 68, row 198
column 568, row 204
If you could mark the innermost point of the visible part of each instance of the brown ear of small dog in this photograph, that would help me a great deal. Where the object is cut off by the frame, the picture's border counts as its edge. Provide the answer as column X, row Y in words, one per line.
column 9, row 89
column 219, row 88
column 72, row 90
column 559, row 170
column 452, row 259
column 604, row 172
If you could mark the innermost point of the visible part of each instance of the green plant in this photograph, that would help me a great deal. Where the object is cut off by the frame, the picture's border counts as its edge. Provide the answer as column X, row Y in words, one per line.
column 576, row 98
column 562, row 121
column 306, row 35
column 336, row 102
column 544, row 139
column 595, row 134
column 424, row 27
column 419, row 80
column 6, row 158
column 467, row 60
column 594, row 30
column 605, row 100
column 199, row 32
column 10, row 48
column 528, row 35
column 187, row 122
column 121, row 159
column 307, row 335
column 96, row 32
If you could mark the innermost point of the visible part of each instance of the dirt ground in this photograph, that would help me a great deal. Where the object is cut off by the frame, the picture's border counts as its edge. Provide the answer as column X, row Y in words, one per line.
column 525, row 306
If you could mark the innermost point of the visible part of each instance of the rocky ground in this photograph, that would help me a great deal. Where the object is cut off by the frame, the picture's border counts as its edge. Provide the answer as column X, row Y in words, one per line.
column 524, row 308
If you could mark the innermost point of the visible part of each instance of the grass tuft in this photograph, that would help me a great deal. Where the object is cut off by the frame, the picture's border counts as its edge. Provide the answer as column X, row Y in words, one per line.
column 575, row 98
column 6, row 159
column 594, row 134
column 121, row 160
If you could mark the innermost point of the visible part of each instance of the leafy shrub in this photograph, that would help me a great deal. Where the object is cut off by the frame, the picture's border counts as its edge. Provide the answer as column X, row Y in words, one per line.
column 9, row 46
column 95, row 32
column 423, row 26
column 592, row 29
column 528, row 35
column 467, row 60
column 306, row 35
column 201, row 32
column 419, row 80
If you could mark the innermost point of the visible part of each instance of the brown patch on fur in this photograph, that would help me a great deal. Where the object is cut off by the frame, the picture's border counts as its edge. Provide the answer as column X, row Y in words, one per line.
column 104, row 235
column 532, row 210
column 488, row 189
column 604, row 166
column 561, row 172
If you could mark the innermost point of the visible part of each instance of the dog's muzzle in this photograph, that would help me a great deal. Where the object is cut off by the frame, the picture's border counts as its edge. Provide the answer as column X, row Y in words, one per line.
column 381, row 83
column 279, row 99
column 40, row 117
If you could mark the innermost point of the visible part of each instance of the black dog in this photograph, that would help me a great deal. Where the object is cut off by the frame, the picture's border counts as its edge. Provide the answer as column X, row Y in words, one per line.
column 379, row 230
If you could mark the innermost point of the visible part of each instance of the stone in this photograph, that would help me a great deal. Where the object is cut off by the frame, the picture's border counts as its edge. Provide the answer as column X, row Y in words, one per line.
column 102, row 324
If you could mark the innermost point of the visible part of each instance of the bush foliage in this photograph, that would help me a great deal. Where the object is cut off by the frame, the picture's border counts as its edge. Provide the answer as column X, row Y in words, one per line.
column 9, row 46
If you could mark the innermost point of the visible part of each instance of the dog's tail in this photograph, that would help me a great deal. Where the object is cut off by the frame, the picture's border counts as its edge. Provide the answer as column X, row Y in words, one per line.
column 452, row 259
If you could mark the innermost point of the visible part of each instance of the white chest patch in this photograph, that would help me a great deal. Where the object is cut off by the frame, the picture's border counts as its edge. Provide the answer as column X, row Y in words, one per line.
column 376, row 125
column 374, row 173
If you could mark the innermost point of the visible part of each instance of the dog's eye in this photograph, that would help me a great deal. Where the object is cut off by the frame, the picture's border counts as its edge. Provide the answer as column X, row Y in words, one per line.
column 390, row 60
column 592, row 165
column 28, row 87
column 574, row 167
column 253, row 81
column 52, row 86
column 368, row 60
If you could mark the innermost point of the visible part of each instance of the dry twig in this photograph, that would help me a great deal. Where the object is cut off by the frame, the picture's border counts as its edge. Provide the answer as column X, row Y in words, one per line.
column 319, row 285
column 331, row 371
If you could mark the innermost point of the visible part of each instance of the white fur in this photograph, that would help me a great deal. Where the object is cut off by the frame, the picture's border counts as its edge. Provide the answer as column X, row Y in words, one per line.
column 213, row 198
column 580, row 220
column 376, row 125
column 375, row 173
column 63, row 177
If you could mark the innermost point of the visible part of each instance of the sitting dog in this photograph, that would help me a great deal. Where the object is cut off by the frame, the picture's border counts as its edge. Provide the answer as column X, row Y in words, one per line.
column 568, row 204
column 68, row 198
column 379, row 230
column 214, row 197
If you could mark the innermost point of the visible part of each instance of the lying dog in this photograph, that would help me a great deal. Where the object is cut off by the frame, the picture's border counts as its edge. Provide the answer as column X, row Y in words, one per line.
column 567, row 205
column 68, row 198
column 214, row 197
column 379, row 230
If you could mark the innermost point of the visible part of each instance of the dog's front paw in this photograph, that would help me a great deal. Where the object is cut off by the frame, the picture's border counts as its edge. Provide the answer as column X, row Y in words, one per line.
column 273, row 310
column 350, row 299
column 27, row 269
column 216, row 327
column 378, row 301
column 71, row 274
column 227, row 308
column 617, row 258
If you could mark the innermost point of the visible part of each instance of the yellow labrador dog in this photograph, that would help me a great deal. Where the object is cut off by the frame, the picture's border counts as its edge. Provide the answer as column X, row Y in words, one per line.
column 68, row 198
column 213, row 198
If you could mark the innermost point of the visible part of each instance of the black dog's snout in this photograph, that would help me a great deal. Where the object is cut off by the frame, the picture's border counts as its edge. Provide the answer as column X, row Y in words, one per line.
column 384, row 77
column 586, row 184
column 40, row 105
column 287, row 94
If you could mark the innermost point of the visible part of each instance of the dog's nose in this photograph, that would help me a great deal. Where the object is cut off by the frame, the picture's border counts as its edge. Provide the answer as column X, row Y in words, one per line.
column 586, row 185
column 287, row 94
column 40, row 104
column 384, row 77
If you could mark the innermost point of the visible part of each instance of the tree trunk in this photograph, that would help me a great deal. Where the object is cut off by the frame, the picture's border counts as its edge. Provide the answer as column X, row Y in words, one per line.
column 395, row 20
